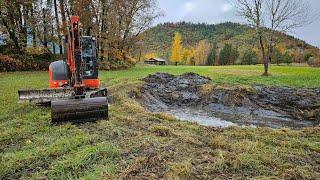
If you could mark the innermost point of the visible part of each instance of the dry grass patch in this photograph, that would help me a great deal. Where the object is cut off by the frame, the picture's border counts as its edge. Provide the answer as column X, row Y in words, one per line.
column 161, row 130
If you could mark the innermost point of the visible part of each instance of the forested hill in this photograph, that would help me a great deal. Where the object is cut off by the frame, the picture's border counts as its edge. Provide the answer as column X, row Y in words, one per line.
column 158, row 39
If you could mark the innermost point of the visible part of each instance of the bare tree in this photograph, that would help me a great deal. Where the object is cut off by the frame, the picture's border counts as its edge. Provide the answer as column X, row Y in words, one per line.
column 252, row 11
column 285, row 16
column 275, row 15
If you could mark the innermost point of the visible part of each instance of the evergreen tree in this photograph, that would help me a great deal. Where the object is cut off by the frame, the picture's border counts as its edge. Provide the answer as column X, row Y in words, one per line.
column 234, row 55
column 228, row 55
column 212, row 56
column 278, row 57
column 287, row 58
column 249, row 58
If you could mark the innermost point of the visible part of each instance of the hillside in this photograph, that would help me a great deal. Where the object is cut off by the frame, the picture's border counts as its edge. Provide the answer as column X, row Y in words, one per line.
column 158, row 39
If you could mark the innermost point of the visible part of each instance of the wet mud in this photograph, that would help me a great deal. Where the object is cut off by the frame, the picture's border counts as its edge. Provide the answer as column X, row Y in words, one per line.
column 196, row 98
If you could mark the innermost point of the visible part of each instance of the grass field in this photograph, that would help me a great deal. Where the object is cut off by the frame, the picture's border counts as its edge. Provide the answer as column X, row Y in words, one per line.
column 280, row 75
column 135, row 143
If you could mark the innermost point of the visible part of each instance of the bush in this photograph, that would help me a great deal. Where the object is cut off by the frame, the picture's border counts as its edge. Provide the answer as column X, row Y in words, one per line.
column 306, row 57
column 22, row 63
column 8, row 48
column 117, row 64
column 282, row 58
column 34, row 59
column 118, row 61
column 39, row 53
column 8, row 63
column 314, row 61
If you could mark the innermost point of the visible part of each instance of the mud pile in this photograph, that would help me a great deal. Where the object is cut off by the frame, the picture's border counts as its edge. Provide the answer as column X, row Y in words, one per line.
column 173, row 90
column 192, row 97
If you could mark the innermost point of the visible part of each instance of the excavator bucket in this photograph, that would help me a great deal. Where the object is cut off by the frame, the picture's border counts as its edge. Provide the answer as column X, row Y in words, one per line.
column 79, row 110
column 64, row 107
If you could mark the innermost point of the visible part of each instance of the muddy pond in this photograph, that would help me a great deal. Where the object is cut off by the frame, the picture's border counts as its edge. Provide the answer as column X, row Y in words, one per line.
column 195, row 98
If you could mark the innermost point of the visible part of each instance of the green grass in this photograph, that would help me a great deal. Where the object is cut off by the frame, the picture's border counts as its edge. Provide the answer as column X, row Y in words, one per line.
column 280, row 75
column 135, row 143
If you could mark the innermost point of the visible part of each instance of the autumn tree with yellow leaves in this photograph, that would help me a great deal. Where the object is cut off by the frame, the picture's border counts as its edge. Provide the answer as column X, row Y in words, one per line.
column 150, row 55
column 176, row 54
column 188, row 55
column 201, row 53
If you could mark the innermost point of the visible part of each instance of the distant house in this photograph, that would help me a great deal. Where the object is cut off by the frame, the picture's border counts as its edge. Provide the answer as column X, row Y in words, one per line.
column 156, row 61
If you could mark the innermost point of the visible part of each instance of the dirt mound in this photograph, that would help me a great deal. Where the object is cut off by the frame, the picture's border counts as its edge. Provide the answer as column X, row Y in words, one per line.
column 173, row 90
column 191, row 96
column 299, row 103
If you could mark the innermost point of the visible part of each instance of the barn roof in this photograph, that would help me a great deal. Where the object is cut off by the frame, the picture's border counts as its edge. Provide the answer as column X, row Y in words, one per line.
column 157, row 59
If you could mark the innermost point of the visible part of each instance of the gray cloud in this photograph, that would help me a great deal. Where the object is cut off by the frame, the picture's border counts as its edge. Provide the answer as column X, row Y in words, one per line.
column 217, row 11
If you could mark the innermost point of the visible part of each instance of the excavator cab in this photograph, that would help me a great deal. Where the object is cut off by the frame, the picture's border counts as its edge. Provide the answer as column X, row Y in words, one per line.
column 58, row 70
column 90, row 62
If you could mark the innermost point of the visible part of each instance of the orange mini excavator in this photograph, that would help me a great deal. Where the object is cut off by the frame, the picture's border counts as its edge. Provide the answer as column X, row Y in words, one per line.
column 75, row 93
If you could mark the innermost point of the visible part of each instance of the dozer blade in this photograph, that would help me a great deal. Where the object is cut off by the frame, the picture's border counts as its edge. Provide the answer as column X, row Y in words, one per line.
column 45, row 95
column 86, row 109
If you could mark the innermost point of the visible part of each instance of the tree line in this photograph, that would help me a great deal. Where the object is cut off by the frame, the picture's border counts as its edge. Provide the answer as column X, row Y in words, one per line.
column 286, row 49
column 205, row 53
column 117, row 24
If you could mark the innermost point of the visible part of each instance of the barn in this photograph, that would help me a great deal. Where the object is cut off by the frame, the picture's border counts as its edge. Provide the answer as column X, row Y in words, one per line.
column 156, row 61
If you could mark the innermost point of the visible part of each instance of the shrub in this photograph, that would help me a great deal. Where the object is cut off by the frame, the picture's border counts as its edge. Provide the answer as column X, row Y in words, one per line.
column 117, row 62
column 306, row 57
column 22, row 63
column 314, row 61
column 8, row 63
column 38, row 52
column 34, row 59
column 282, row 58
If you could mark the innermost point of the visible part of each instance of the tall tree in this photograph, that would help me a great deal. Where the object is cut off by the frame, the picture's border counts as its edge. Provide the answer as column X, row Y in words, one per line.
column 176, row 55
column 285, row 16
column 201, row 53
column 212, row 56
column 15, row 17
column 187, row 55
column 252, row 11
column 58, row 25
column 276, row 15
column 117, row 24
column 228, row 55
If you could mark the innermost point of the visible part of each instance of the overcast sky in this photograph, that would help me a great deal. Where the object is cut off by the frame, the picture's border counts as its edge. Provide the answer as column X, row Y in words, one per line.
column 217, row 11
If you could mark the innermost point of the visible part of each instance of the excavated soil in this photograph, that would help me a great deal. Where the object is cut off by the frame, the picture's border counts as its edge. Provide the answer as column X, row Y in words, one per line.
column 195, row 98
